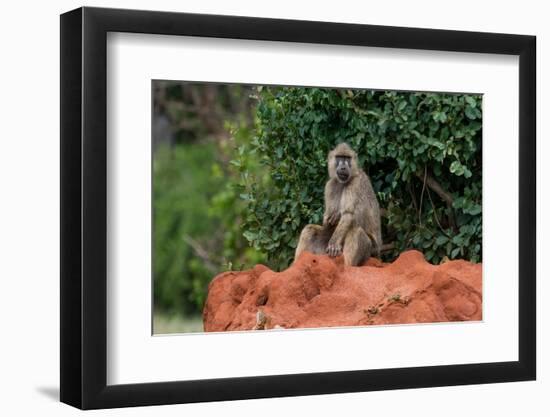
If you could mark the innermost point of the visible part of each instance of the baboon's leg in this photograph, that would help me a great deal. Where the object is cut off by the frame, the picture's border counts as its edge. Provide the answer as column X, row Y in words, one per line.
column 376, row 242
column 311, row 240
column 357, row 247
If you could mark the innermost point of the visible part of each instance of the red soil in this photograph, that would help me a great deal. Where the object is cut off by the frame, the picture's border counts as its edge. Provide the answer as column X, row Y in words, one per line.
column 317, row 291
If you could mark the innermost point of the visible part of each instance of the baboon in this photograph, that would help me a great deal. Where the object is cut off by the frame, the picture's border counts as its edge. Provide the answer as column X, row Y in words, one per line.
column 351, row 222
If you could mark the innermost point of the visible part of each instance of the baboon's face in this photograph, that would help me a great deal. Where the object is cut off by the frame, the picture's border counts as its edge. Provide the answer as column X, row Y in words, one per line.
column 343, row 168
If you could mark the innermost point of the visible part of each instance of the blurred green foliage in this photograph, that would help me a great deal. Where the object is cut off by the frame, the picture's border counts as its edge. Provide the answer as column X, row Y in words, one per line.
column 421, row 150
column 197, row 130
column 197, row 224
column 182, row 189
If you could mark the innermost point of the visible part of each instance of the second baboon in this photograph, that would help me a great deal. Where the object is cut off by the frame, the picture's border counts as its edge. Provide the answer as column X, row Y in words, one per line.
column 351, row 222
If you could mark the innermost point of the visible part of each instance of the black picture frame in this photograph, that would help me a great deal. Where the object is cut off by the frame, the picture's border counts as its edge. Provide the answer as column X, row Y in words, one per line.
column 84, row 207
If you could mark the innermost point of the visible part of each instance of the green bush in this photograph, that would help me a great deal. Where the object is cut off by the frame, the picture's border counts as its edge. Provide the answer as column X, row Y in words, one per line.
column 421, row 150
column 227, row 206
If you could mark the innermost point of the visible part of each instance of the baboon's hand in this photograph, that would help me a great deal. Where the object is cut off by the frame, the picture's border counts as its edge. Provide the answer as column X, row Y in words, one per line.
column 334, row 249
column 332, row 219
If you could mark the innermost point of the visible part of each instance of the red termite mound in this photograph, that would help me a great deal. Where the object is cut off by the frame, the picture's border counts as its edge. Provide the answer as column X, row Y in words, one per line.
column 318, row 291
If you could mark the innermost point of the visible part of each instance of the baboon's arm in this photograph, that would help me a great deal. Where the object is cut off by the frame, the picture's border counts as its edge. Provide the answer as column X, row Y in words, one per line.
column 331, row 215
column 345, row 223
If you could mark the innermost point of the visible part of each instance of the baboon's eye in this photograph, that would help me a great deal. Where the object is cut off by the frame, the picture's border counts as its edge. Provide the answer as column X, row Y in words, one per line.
column 345, row 160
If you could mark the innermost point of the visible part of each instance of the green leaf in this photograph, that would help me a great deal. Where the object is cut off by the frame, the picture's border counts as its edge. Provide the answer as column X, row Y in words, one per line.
column 455, row 166
column 470, row 100
column 470, row 113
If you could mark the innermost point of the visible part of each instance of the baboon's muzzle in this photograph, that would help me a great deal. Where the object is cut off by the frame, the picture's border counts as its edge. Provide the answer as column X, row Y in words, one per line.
column 342, row 174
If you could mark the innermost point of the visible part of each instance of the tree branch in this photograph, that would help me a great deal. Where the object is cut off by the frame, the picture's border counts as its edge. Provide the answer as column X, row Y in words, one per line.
column 386, row 247
column 424, row 181
column 444, row 195
column 201, row 253
column 436, row 188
